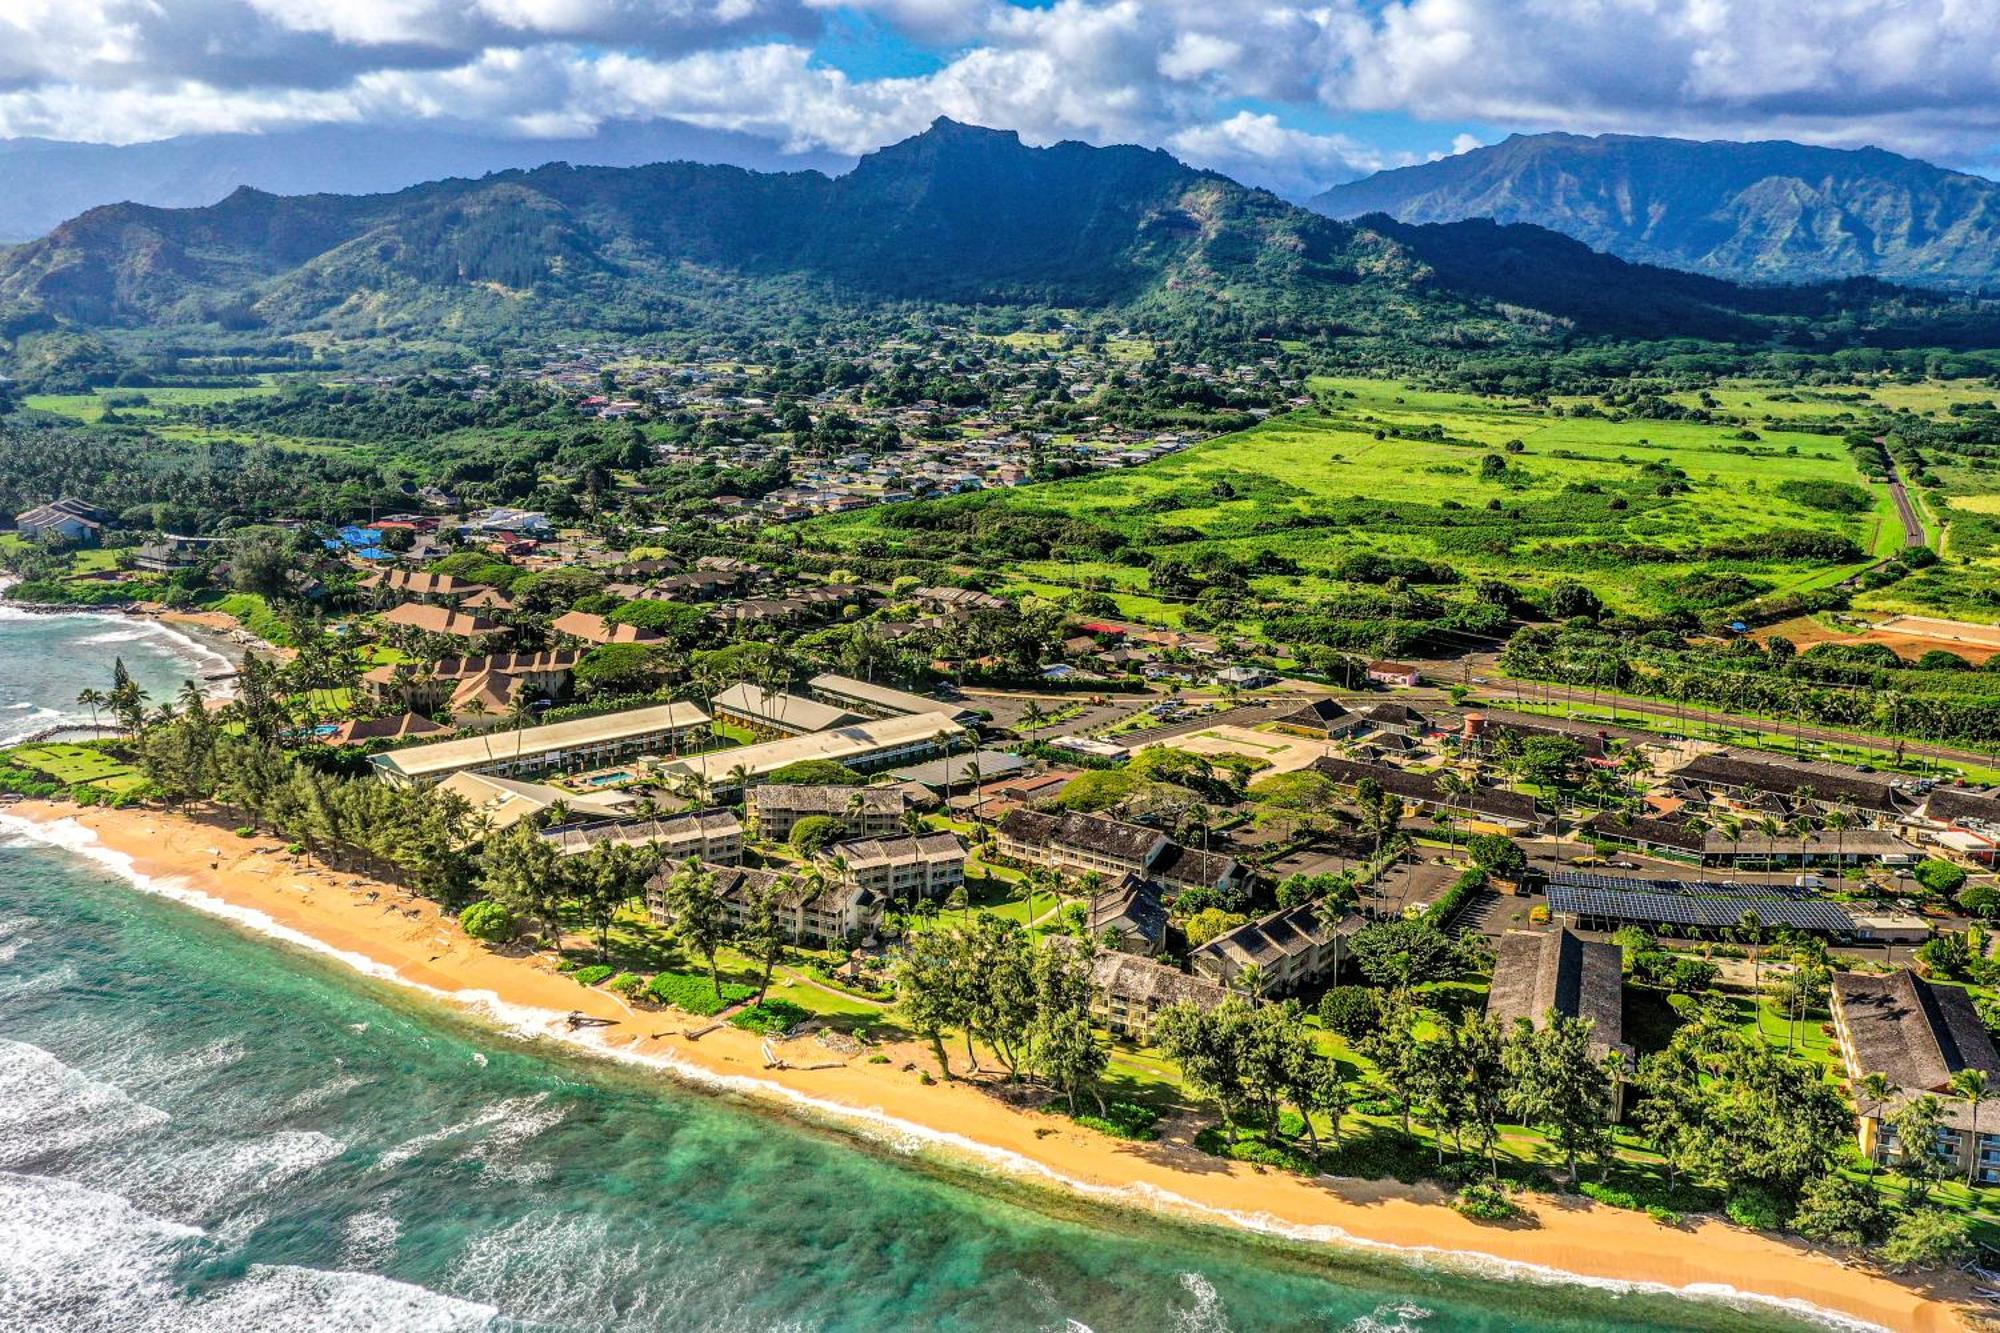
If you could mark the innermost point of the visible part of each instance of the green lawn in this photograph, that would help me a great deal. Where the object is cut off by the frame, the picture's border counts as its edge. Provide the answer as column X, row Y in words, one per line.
column 75, row 764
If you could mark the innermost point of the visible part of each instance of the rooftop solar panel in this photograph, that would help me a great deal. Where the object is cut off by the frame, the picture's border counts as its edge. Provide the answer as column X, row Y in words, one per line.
column 1681, row 909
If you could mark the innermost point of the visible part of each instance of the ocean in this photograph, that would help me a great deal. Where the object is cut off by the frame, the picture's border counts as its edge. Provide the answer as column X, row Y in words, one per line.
column 204, row 1128
column 46, row 660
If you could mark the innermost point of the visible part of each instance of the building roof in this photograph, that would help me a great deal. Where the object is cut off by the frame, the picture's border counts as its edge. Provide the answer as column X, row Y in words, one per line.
column 506, row 801
column 862, row 853
column 428, row 619
column 829, row 800
column 596, row 629
column 702, row 824
column 1389, row 713
column 855, row 741
column 1177, row 864
column 472, row 751
column 1269, row 940
column 1952, row 805
column 1143, row 981
column 1110, row 838
column 461, row 668
column 1133, row 908
column 1643, row 832
column 1711, row 903
column 1915, row 1034
column 1534, row 972
column 958, row 769
column 1852, row 842
column 1316, row 713
column 1724, row 770
column 885, row 697
column 787, row 712
column 399, row 728
column 421, row 583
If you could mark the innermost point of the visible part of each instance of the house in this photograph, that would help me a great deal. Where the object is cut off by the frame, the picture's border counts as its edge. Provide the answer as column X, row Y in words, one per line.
column 76, row 522
column 1289, row 949
column 580, row 743
column 1394, row 673
column 954, row 772
column 1916, row 1035
column 1660, row 837
column 1539, row 972
column 403, row 727
column 503, row 802
column 1246, row 677
column 1395, row 719
column 412, row 619
column 171, row 554
column 704, row 835
column 767, row 713
column 1128, row 993
column 899, row 869
column 1325, row 719
column 581, row 627
column 1128, row 917
column 866, row 812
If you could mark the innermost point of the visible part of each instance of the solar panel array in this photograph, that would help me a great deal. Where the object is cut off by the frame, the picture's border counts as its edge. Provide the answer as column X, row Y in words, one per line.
column 1680, row 902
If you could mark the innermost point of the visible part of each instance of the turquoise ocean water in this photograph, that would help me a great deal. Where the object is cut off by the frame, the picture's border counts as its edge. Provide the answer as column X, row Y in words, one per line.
column 45, row 660
column 206, row 1129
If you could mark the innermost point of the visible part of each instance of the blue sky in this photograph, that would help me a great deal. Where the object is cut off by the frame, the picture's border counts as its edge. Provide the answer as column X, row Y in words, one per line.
column 1293, row 94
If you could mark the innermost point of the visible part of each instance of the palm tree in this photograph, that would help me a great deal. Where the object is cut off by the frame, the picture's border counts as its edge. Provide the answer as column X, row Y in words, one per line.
column 477, row 710
column 1971, row 1084
column 1837, row 821
column 92, row 699
column 1749, row 931
column 520, row 709
column 1033, row 717
column 1770, row 828
column 1250, row 981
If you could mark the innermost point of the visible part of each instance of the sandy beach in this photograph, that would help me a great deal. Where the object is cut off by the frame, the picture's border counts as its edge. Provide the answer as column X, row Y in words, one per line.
column 379, row 930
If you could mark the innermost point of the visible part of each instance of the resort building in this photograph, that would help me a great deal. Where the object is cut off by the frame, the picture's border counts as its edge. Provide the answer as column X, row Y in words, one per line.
column 1916, row 1035
column 403, row 727
column 77, row 522
column 1128, row 917
column 704, row 835
column 581, row 627
column 873, row 700
column 1760, row 784
column 1539, row 972
column 902, row 869
column 774, row 714
column 1080, row 844
column 586, row 742
column 503, row 802
column 414, row 619
column 865, row 812
column 834, row 914
column 387, row 586
column 863, row 746
column 1128, row 993
column 424, row 688
column 1290, row 948
column 1506, row 811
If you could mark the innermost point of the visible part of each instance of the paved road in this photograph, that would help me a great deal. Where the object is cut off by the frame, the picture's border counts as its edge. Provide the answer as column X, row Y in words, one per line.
column 1913, row 527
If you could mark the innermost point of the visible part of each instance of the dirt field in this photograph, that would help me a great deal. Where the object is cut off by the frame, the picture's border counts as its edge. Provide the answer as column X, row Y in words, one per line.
column 1909, row 636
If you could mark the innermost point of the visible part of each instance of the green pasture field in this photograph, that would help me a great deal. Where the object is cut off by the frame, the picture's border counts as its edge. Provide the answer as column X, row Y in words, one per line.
column 1317, row 486
column 90, row 407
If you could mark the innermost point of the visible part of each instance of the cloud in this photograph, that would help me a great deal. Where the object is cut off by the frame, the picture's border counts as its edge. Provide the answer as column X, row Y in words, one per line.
column 1915, row 75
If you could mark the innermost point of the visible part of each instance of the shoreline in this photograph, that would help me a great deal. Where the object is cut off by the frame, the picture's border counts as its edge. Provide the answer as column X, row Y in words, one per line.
column 404, row 940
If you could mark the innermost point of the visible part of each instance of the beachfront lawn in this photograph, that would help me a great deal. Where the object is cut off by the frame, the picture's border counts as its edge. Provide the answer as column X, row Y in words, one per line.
column 74, row 764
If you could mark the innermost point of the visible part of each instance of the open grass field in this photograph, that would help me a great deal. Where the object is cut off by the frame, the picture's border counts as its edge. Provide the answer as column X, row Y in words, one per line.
column 139, row 404
column 1382, row 468
column 75, row 764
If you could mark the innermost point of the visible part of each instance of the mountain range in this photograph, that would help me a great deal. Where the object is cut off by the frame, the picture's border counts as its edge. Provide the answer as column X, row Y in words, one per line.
column 957, row 214
column 1761, row 212
column 44, row 182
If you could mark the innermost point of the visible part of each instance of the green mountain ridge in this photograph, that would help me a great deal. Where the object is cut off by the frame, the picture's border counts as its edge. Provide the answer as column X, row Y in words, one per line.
column 957, row 215
column 1771, row 211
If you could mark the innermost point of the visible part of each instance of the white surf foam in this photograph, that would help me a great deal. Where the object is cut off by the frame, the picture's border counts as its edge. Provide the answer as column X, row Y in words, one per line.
column 49, row 1111
column 88, row 1261
column 902, row 1135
